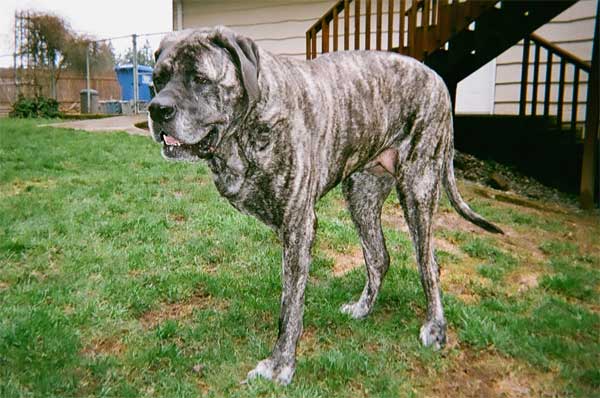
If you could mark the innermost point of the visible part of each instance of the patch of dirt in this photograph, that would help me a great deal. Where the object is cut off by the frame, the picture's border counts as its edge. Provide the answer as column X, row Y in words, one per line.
column 345, row 262
column 452, row 221
column 179, row 311
column 308, row 342
column 313, row 342
column 203, row 387
column 446, row 246
column 460, row 279
column 19, row 186
column 393, row 217
column 39, row 276
column 68, row 309
column 487, row 374
column 104, row 346
column 512, row 198
column 526, row 281
column 207, row 268
column 177, row 217
column 356, row 389
column 584, row 231
column 524, row 243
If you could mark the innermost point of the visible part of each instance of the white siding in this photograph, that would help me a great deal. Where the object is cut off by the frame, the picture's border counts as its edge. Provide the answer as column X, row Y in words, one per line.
column 475, row 94
column 573, row 31
column 277, row 26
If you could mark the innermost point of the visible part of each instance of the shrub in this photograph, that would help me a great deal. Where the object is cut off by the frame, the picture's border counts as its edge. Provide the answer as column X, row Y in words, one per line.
column 38, row 106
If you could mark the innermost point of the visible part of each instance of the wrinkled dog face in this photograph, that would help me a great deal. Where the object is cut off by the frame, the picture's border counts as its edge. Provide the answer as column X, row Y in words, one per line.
column 205, row 81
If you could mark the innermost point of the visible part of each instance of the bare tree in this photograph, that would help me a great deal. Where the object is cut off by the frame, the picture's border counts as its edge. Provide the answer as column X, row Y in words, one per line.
column 53, row 46
column 102, row 58
column 47, row 36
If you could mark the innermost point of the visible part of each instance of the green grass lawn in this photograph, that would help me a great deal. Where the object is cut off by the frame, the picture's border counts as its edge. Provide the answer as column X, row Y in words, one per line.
column 122, row 275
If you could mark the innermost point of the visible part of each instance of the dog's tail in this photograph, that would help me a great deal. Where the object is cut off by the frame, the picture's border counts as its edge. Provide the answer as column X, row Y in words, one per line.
column 452, row 191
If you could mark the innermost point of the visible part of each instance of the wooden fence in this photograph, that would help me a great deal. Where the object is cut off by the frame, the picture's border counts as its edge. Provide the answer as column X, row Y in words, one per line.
column 68, row 87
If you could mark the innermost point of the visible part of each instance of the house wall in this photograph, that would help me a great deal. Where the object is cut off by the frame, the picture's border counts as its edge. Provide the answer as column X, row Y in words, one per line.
column 475, row 94
column 573, row 31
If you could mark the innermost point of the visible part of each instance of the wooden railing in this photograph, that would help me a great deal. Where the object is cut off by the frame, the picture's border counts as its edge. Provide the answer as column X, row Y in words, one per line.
column 564, row 61
column 410, row 27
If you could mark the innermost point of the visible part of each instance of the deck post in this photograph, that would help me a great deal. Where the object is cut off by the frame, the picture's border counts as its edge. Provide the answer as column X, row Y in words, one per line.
column 590, row 165
column 524, row 75
column 451, row 84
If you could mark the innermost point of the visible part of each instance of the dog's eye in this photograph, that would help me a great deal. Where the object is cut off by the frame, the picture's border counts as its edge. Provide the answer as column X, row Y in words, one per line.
column 159, row 83
column 201, row 80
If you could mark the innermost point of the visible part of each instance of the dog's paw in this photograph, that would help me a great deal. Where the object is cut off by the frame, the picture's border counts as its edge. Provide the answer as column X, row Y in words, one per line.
column 357, row 310
column 433, row 333
column 268, row 369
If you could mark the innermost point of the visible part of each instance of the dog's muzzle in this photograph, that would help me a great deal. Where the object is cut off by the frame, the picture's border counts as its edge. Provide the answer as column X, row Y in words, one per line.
column 203, row 149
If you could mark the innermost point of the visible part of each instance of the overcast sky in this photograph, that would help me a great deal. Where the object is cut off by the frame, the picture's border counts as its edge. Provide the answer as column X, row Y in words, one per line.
column 98, row 18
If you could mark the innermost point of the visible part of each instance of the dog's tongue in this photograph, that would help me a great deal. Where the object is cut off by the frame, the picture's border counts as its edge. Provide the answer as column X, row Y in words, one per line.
column 171, row 141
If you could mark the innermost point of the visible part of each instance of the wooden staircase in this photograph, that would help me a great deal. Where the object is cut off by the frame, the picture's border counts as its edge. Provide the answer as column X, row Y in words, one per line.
column 453, row 37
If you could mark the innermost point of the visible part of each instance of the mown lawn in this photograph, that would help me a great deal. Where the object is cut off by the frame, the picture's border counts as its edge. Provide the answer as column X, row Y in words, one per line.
column 122, row 275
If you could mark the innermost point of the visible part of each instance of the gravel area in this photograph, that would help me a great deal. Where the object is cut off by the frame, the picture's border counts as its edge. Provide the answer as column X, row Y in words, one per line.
column 491, row 173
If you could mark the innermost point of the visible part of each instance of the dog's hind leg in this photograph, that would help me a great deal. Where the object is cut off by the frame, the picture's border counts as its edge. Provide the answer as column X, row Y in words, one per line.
column 418, row 191
column 365, row 193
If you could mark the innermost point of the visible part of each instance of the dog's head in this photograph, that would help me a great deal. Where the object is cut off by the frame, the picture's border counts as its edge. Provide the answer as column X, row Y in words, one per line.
column 206, row 80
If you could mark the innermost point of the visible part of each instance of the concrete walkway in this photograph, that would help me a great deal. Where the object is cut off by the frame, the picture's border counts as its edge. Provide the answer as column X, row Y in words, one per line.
column 117, row 123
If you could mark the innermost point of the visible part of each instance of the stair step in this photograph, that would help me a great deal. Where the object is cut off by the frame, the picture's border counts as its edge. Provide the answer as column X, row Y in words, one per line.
column 469, row 50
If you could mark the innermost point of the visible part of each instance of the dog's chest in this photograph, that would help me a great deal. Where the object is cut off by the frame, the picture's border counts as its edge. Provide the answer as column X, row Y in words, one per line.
column 247, row 185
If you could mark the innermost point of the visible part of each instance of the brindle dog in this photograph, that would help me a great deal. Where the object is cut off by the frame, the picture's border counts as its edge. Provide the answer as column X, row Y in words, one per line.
column 279, row 133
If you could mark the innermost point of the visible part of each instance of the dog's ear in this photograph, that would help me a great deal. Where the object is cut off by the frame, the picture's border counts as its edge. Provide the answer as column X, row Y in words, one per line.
column 244, row 54
column 157, row 54
column 165, row 44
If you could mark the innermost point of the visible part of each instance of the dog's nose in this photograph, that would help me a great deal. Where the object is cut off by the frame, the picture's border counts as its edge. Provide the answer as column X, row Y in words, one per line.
column 161, row 111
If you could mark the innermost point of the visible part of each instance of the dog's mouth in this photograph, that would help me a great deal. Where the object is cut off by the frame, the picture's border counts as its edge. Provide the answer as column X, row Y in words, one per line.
column 204, row 149
column 170, row 141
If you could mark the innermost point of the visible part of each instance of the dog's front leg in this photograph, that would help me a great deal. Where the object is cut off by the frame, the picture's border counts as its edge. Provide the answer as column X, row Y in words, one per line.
column 297, row 235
